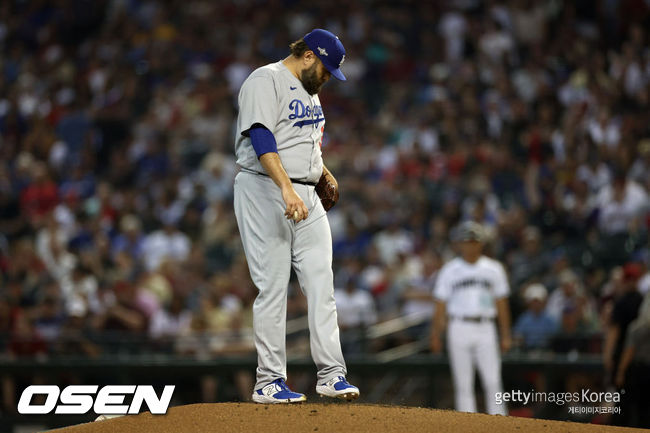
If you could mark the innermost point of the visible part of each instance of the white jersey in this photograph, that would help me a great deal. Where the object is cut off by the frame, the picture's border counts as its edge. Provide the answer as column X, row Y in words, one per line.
column 470, row 289
column 274, row 97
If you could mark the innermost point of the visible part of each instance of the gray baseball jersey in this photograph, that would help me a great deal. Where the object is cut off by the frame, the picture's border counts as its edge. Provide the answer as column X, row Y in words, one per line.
column 275, row 98
column 293, row 116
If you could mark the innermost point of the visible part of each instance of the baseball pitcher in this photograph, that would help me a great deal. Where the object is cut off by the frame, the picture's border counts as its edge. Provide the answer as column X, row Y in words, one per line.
column 282, row 193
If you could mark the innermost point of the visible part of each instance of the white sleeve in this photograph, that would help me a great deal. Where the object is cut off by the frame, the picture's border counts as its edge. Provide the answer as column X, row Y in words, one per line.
column 442, row 289
column 501, row 286
column 258, row 103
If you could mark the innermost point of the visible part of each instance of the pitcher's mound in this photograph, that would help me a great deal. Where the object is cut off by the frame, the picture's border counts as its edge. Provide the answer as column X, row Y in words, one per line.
column 325, row 418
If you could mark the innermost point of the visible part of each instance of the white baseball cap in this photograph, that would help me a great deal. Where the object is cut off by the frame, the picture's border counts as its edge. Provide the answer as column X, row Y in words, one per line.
column 535, row 291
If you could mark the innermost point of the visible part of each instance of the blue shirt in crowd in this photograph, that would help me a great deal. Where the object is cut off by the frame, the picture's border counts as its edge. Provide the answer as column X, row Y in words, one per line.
column 536, row 329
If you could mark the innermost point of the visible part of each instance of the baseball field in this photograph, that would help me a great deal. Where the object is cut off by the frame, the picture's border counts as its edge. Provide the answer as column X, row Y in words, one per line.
column 313, row 417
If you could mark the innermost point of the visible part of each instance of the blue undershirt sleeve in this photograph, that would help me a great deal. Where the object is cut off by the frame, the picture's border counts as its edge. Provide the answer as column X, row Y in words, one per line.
column 262, row 140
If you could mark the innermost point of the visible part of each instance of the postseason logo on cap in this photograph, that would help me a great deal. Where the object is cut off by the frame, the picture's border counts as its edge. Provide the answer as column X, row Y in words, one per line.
column 329, row 50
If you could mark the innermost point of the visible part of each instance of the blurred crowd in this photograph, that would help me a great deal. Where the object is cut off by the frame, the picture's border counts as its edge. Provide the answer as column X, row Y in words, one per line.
column 117, row 164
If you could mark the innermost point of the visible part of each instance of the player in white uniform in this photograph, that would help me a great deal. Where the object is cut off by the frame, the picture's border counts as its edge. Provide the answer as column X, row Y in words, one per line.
column 281, row 219
column 472, row 290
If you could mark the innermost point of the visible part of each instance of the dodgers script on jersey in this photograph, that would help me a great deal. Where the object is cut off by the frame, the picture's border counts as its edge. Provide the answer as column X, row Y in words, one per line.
column 470, row 289
column 274, row 97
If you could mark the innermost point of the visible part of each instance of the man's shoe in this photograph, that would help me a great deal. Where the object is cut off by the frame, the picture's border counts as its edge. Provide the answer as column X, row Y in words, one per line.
column 277, row 392
column 338, row 387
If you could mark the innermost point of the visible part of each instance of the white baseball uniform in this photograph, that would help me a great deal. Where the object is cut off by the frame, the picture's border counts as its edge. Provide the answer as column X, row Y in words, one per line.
column 272, row 96
column 469, row 291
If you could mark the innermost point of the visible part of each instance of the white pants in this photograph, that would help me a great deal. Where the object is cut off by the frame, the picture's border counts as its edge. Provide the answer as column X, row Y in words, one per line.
column 473, row 345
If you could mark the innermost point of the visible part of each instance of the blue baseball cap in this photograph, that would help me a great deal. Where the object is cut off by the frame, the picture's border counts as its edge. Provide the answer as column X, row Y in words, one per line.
column 329, row 50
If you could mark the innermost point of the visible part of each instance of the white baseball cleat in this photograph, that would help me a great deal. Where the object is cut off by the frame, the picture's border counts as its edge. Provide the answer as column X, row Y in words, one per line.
column 338, row 387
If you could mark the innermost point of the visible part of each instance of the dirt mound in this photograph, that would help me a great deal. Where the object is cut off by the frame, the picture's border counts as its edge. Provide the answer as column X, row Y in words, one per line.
column 325, row 418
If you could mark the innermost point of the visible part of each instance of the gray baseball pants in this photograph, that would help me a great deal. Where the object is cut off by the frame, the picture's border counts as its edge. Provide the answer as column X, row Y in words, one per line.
column 273, row 244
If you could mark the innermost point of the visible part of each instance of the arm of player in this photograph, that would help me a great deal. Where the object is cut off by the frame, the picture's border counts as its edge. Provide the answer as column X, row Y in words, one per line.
column 439, row 319
column 273, row 166
column 503, row 317
column 626, row 360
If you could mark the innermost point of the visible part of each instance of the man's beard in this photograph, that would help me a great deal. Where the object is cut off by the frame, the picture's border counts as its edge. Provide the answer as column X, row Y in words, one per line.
column 310, row 80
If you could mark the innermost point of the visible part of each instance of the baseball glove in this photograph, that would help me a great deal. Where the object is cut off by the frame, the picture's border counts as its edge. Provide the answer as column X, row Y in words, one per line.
column 327, row 189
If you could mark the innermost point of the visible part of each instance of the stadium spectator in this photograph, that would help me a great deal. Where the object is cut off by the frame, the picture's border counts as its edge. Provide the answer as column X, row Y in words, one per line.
column 531, row 262
column 355, row 311
column 392, row 242
column 123, row 315
column 534, row 327
column 571, row 337
column 40, row 196
column 633, row 371
column 644, row 283
column 640, row 169
column 571, row 296
column 74, row 337
column 621, row 205
column 168, row 243
column 50, row 316
column 52, row 248
column 25, row 340
column 170, row 321
column 624, row 311
column 130, row 238
column 416, row 298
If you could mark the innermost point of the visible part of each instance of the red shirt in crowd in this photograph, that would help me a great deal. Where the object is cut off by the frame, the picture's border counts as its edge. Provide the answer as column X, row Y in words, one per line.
column 38, row 199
